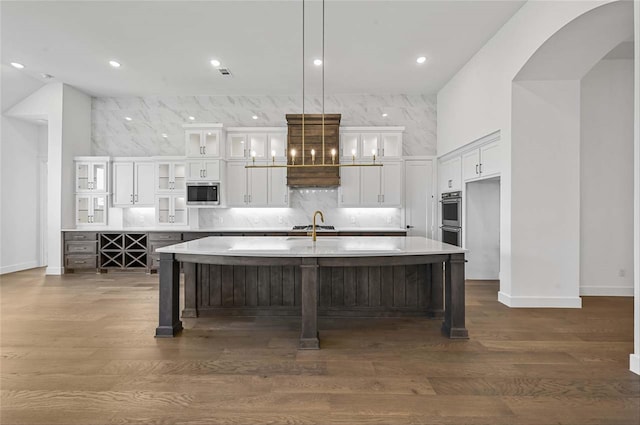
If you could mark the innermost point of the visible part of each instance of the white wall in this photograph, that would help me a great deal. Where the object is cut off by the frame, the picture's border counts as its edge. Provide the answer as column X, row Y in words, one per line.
column 19, row 187
column 482, row 229
column 546, row 232
column 634, row 359
column 606, row 179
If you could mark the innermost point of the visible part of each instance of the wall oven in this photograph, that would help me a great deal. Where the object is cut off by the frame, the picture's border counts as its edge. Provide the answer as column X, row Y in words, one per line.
column 451, row 214
column 203, row 193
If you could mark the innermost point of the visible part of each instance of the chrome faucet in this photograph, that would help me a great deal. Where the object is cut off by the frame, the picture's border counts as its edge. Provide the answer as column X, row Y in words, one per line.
column 313, row 234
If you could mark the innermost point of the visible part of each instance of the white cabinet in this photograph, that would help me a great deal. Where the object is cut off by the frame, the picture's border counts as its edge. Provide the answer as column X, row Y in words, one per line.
column 133, row 184
column 203, row 170
column 372, row 186
column 91, row 209
column 170, row 176
column 255, row 187
column 449, row 175
column 171, row 210
column 261, row 143
column 481, row 162
column 381, row 142
column 91, row 174
column 203, row 141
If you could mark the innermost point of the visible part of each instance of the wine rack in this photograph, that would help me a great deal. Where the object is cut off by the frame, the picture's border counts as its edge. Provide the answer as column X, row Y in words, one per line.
column 123, row 250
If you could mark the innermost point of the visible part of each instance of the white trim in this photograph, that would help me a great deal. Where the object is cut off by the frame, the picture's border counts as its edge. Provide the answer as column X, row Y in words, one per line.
column 634, row 363
column 92, row 158
column 372, row 128
column 19, row 267
column 539, row 302
column 491, row 137
column 257, row 129
column 55, row 271
column 607, row 291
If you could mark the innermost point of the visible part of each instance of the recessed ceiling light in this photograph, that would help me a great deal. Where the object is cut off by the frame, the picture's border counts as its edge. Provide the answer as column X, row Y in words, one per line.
column 164, row 135
column 17, row 65
column 421, row 59
column 127, row 118
column 114, row 64
column 255, row 117
column 192, row 118
column 215, row 62
column 317, row 62
column 385, row 115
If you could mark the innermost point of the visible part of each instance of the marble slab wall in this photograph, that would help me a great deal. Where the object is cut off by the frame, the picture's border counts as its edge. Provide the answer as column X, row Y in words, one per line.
column 156, row 129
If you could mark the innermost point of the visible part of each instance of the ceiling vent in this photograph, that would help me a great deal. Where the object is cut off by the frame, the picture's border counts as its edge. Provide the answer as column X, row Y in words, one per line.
column 225, row 72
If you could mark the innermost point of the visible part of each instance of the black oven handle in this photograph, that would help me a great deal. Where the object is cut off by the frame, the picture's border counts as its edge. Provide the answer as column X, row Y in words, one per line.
column 451, row 229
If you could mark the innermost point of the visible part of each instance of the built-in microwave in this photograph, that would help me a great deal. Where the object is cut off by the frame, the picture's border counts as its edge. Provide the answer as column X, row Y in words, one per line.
column 203, row 193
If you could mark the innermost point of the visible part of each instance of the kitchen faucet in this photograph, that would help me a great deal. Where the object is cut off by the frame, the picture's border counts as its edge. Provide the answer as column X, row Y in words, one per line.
column 313, row 234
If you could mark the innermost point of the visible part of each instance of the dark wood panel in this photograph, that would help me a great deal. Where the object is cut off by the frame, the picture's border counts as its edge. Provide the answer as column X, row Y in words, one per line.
column 362, row 286
column 398, row 286
column 411, row 285
column 386, row 286
column 337, row 286
column 288, row 285
column 215, row 280
column 202, row 273
column 251, row 286
column 227, row 286
column 350, row 285
column 264, row 285
column 276, row 285
column 239, row 285
column 324, row 287
column 375, row 286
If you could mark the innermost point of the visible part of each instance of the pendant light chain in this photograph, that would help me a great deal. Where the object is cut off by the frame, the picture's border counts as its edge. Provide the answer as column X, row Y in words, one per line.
column 323, row 65
column 302, row 153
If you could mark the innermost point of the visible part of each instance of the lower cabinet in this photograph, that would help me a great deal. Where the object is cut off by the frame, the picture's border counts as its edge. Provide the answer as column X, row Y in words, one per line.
column 80, row 251
column 123, row 251
column 159, row 240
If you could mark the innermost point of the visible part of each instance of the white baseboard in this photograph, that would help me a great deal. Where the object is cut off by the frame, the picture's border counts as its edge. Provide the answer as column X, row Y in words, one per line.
column 607, row 291
column 19, row 267
column 55, row 271
column 539, row 302
column 634, row 363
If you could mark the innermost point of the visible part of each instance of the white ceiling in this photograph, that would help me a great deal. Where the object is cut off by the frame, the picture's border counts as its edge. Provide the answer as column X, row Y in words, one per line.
column 165, row 47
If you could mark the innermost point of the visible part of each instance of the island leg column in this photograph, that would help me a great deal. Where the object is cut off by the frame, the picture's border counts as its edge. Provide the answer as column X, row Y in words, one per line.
column 454, row 304
column 169, row 297
column 309, row 333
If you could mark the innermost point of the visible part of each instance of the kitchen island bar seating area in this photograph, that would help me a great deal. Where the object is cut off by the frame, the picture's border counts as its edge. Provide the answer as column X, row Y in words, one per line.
column 338, row 277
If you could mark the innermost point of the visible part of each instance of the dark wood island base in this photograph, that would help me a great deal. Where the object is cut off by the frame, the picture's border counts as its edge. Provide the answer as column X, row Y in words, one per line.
column 368, row 286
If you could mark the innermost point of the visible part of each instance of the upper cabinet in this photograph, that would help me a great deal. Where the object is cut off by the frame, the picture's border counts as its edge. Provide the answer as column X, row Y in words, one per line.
column 260, row 143
column 481, row 162
column 133, row 183
column 170, row 175
column 203, row 140
column 450, row 173
column 255, row 187
column 204, row 170
column 92, row 174
column 365, row 142
column 372, row 186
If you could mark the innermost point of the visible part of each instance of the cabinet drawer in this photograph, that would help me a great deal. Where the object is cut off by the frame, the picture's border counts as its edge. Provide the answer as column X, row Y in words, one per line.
column 81, row 262
column 166, row 236
column 80, row 236
column 75, row 247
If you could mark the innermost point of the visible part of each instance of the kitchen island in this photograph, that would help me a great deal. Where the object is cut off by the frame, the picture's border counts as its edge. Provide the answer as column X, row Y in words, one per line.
column 334, row 276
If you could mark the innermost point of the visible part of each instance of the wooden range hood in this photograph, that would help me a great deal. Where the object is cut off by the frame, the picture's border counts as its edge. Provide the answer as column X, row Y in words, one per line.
column 313, row 176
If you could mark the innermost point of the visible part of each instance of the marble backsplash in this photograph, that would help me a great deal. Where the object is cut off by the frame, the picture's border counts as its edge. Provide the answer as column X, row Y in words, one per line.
column 303, row 203
column 151, row 117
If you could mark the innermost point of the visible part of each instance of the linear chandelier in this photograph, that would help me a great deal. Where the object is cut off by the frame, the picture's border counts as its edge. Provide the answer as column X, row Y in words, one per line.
column 292, row 154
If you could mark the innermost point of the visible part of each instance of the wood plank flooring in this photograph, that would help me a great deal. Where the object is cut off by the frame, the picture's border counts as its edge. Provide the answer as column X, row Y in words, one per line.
column 79, row 349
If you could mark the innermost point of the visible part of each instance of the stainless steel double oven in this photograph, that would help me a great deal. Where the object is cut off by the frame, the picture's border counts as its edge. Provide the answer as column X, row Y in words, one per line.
column 451, row 214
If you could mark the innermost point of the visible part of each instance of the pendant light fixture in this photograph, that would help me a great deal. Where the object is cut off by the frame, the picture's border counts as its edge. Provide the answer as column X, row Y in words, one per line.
column 291, row 159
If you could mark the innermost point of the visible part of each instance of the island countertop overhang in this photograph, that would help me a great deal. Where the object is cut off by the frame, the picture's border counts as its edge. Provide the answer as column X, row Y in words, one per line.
column 345, row 246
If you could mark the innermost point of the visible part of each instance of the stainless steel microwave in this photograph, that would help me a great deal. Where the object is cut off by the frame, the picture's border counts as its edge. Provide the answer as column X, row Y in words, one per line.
column 203, row 193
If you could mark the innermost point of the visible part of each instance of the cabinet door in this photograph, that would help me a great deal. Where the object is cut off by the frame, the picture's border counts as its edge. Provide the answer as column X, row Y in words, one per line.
column 237, row 145
column 193, row 143
column 211, row 170
column 82, row 176
column 144, row 193
column 370, row 145
column 258, row 145
column 278, row 145
column 391, row 144
column 179, row 209
column 392, row 187
column 123, row 184
column 99, row 209
column 211, row 143
column 350, row 186
column 83, row 209
column 179, row 176
column 258, row 187
column 349, row 144
column 471, row 165
column 370, row 194
column 195, row 170
column 449, row 175
column 163, row 176
column 99, row 176
column 490, row 159
column 278, row 189
column 236, row 184
column 163, row 209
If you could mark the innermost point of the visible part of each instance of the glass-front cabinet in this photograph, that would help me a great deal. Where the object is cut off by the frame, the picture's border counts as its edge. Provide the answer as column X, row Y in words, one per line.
column 203, row 140
column 260, row 143
column 365, row 142
column 171, row 210
column 91, row 175
column 170, row 176
column 91, row 209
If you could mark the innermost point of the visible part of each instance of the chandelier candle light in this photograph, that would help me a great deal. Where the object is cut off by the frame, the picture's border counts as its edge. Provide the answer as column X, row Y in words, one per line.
column 313, row 152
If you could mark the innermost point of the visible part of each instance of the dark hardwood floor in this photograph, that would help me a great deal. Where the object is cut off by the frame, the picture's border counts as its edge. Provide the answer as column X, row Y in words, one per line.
column 79, row 349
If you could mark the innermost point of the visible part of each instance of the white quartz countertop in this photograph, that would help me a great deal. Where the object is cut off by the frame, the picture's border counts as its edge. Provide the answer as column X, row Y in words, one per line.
column 229, row 229
column 325, row 246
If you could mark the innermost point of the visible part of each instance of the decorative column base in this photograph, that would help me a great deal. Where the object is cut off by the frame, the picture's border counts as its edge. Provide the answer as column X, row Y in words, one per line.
column 168, row 331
